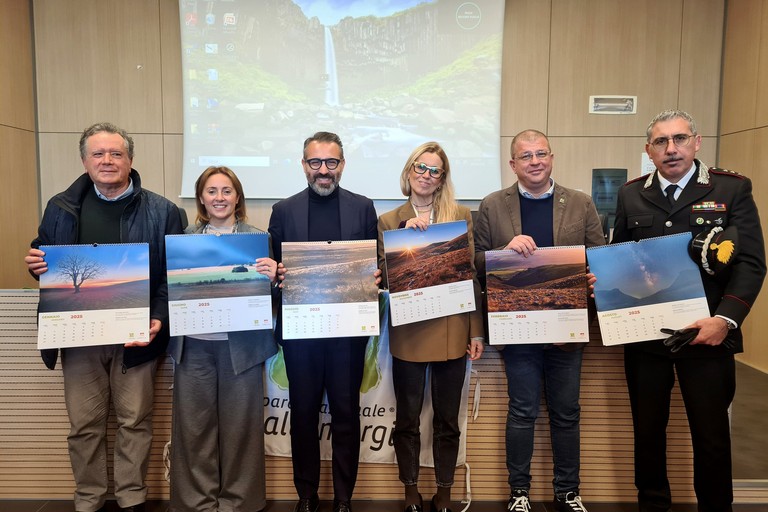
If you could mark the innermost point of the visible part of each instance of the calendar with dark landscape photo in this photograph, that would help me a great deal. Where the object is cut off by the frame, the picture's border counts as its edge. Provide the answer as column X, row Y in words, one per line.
column 549, row 279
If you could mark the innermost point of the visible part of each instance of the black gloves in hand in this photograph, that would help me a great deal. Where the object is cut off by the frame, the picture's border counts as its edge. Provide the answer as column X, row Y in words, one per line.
column 682, row 337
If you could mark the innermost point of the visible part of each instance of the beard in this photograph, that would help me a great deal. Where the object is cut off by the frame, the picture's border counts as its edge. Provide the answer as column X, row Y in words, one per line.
column 323, row 190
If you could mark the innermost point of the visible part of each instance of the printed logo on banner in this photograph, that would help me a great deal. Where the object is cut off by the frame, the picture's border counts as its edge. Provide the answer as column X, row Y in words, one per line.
column 377, row 406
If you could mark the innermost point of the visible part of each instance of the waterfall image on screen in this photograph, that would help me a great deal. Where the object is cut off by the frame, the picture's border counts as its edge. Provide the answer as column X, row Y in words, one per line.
column 260, row 76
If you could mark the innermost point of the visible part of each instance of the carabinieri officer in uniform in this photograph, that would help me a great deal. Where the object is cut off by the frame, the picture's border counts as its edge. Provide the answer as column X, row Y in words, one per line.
column 683, row 194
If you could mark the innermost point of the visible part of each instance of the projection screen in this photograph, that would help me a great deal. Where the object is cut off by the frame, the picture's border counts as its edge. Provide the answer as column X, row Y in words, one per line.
column 260, row 76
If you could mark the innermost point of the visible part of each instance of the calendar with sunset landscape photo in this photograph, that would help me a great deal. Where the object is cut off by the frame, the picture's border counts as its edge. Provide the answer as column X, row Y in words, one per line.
column 541, row 298
column 429, row 272
column 94, row 294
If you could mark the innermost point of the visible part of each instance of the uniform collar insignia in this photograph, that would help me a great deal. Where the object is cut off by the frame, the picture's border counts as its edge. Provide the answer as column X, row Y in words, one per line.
column 702, row 177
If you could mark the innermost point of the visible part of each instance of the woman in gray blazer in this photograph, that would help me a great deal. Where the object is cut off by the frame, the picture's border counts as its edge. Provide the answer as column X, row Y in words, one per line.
column 217, row 450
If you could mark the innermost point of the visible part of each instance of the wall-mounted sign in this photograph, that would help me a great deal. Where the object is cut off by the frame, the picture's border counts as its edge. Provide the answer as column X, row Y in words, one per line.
column 608, row 104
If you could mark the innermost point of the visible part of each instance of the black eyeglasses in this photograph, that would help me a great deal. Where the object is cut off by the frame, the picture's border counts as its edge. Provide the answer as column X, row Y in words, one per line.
column 680, row 140
column 527, row 157
column 316, row 163
column 421, row 168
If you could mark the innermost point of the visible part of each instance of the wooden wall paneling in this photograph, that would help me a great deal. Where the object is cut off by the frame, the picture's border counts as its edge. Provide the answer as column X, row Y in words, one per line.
column 149, row 161
column 18, row 172
column 171, row 74
column 525, row 68
column 755, row 350
column 700, row 62
column 507, row 176
column 60, row 162
column 98, row 61
column 761, row 113
column 739, row 152
column 17, row 103
column 605, row 47
column 173, row 145
column 740, row 65
column 575, row 157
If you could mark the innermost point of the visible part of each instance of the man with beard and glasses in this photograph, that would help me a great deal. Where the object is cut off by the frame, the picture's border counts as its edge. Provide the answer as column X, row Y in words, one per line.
column 321, row 212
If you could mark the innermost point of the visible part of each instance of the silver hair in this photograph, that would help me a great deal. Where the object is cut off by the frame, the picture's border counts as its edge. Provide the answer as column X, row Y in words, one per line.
column 668, row 115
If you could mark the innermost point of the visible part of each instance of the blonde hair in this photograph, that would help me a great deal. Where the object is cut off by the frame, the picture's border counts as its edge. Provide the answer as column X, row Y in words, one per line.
column 443, row 202
column 202, row 213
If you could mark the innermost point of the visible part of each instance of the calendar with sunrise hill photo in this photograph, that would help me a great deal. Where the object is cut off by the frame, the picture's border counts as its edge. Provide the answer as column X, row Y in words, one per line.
column 94, row 295
column 213, row 284
column 429, row 272
column 541, row 298
column 329, row 289
column 645, row 286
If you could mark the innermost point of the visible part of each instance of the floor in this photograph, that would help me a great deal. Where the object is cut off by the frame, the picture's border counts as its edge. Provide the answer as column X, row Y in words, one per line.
column 358, row 506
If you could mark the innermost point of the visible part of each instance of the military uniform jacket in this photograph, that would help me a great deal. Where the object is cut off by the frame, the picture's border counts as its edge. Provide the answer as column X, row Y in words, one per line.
column 713, row 197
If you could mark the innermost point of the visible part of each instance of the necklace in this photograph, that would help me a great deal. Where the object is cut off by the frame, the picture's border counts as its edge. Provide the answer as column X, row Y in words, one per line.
column 417, row 206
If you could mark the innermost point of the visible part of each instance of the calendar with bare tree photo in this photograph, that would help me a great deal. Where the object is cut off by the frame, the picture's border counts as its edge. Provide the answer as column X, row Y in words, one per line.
column 94, row 295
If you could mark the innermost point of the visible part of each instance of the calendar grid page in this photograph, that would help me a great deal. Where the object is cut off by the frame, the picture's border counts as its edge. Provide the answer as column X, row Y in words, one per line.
column 94, row 294
column 329, row 290
column 213, row 284
column 541, row 298
column 644, row 286
column 429, row 273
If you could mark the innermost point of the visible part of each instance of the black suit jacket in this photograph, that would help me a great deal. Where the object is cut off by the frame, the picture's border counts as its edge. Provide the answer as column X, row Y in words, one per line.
column 289, row 222
column 644, row 212
column 290, row 219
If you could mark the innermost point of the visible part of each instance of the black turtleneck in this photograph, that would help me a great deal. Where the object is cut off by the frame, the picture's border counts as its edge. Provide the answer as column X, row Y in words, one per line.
column 324, row 216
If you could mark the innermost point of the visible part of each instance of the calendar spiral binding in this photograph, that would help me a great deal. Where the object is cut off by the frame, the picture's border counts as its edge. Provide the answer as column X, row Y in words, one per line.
column 686, row 234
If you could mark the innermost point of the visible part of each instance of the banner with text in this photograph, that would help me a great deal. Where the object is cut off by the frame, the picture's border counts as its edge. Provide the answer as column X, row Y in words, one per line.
column 377, row 406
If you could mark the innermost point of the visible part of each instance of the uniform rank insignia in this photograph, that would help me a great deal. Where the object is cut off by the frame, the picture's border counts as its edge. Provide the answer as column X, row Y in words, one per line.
column 708, row 206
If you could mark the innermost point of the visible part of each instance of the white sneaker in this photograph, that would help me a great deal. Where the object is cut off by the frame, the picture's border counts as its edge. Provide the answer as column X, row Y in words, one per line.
column 569, row 502
column 518, row 501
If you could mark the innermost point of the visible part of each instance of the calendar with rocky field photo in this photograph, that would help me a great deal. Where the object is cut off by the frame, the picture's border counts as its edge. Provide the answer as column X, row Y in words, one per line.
column 541, row 298
column 329, row 289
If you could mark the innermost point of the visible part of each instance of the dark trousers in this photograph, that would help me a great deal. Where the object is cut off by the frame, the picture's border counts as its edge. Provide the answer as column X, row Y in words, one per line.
column 707, row 386
column 336, row 366
column 408, row 380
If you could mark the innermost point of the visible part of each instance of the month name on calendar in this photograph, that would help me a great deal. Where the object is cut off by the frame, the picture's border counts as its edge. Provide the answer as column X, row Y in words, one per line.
column 91, row 328
column 330, row 320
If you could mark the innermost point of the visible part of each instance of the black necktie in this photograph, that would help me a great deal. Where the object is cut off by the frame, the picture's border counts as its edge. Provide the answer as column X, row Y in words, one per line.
column 670, row 190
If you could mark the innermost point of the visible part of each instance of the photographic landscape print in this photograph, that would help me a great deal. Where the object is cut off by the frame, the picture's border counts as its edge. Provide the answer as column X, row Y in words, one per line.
column 95, row 277
column 211, row 266
column 329, row 272
column 419, row 259
column 552, row 278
